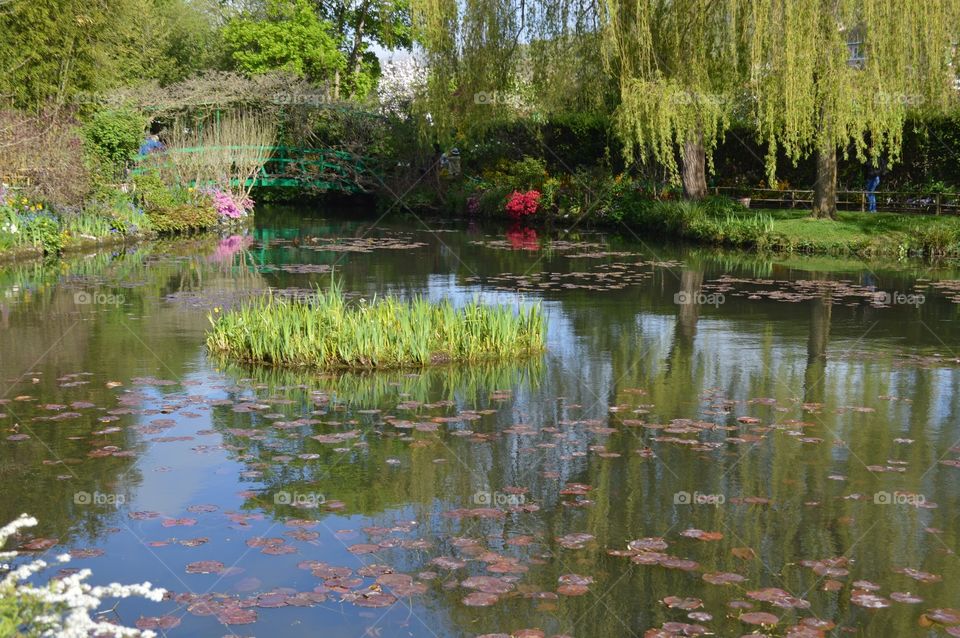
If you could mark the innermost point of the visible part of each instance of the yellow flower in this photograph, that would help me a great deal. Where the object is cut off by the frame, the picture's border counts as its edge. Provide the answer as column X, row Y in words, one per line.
column 216, row 310
column 39, row 206
column 24, row 201
column 191, row 189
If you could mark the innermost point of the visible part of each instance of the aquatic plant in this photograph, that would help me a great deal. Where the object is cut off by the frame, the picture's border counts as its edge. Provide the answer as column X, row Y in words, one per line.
column 62, row 606
column 328, row 332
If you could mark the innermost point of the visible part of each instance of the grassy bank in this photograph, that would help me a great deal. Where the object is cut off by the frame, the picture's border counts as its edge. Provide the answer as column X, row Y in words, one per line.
column 524, row 190
column 725, row 223
column 328, row 332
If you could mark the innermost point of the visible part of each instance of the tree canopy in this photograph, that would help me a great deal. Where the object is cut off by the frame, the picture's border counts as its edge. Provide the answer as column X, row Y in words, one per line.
column 842, row 74
column 288, row 36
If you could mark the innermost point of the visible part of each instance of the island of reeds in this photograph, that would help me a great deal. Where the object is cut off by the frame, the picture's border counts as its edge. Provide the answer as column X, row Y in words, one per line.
column 328, row 331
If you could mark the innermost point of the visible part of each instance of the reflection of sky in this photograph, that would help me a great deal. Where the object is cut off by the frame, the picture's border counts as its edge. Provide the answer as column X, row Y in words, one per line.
column 191, row 482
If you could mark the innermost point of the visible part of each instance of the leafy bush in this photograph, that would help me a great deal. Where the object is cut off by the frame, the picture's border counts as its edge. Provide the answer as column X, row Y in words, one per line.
column 528, row 173
column 43, row 231
column 154, row 195
column 183, row 218
column 173, row 209
column 113, row 136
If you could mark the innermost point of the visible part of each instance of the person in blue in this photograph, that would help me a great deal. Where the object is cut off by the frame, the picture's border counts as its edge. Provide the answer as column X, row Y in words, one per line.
column 151, row 145
column 873, row 181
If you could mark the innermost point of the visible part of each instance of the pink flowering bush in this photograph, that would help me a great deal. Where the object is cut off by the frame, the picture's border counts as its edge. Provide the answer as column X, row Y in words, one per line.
column 228, row 205
column 520, row 205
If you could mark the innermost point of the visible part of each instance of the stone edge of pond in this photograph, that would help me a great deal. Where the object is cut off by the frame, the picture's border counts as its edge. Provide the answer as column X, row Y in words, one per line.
column 23, row 254
column 33, row 253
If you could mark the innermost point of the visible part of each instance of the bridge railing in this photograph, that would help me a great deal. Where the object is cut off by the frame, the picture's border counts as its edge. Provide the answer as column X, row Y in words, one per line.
column 322, row 168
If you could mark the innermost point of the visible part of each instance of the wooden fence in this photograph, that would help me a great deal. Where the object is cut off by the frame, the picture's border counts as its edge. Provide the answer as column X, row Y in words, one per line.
column 887, row 201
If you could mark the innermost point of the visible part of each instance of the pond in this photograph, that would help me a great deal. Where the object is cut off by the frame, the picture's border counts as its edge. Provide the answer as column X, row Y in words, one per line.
column 711, row 438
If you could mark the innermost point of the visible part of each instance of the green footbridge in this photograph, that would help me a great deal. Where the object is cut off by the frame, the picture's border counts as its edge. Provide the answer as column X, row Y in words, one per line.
column 321, row 169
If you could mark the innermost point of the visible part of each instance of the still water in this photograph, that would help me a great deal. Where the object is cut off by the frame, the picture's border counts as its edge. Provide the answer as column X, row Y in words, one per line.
column 708, row 435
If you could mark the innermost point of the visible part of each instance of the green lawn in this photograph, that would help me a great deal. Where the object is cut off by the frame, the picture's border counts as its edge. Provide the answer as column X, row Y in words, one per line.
column 863, row 232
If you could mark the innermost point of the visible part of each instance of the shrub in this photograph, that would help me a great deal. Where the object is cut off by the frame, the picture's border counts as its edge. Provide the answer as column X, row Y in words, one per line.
column 113, row 136
column 521, row 205
column 525, row 174
column 227, row 205
column 183, row 218
column 43, row 230
column 154, row 195
column 173, row 209
column 222, row 154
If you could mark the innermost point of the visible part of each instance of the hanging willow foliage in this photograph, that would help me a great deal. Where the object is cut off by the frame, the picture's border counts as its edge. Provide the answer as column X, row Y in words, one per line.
column 677, row 62
column 493, row 59
column 831, row 74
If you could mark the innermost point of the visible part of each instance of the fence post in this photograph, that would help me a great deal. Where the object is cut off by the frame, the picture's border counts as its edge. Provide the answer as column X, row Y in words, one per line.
column 938, row 203
column 863, row 202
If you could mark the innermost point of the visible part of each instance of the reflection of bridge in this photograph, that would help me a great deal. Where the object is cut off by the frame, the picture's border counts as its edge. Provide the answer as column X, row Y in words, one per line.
column 293, row 167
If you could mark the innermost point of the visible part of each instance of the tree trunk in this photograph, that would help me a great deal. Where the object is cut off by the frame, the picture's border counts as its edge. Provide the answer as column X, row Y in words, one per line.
column 353, row 64
column 694, row 168
column 825, row 190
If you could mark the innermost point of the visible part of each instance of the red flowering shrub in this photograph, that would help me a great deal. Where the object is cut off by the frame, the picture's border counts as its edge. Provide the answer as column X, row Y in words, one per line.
column 520, row 205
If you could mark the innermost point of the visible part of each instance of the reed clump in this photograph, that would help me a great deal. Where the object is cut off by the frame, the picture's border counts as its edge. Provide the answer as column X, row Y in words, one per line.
column 329, row 332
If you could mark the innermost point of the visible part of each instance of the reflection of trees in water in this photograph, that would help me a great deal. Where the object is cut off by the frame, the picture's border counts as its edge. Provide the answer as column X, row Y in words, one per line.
column 49, row 336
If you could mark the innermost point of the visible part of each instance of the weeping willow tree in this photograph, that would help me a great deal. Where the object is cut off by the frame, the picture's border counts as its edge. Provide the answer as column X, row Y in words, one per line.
column 471, row 50
column 677, row 62
column 842, row 74
column 489, row 60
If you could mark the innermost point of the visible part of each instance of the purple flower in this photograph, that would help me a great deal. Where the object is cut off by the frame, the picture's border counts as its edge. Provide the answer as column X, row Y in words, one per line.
column 228, row 205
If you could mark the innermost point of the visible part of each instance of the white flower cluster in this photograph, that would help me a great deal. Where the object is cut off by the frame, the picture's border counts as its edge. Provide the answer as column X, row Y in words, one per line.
column 401, row 79
column 66, row 602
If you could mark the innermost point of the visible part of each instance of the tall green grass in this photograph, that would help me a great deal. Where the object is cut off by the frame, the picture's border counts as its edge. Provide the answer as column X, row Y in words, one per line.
column 328, row 332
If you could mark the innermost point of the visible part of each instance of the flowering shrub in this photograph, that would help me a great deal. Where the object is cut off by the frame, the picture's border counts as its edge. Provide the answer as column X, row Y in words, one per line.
column 228, row 205
column 473, row 205
column 62, row 606
column 520, row 205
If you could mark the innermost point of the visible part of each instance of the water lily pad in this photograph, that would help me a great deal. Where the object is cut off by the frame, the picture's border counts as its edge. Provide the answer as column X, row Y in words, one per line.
column 759, row 618
column 723, row 578
column 157, row 622
column 205, row 567
column 488, row 584
column 867, row 599
column 480, row 599
column 574, row 541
